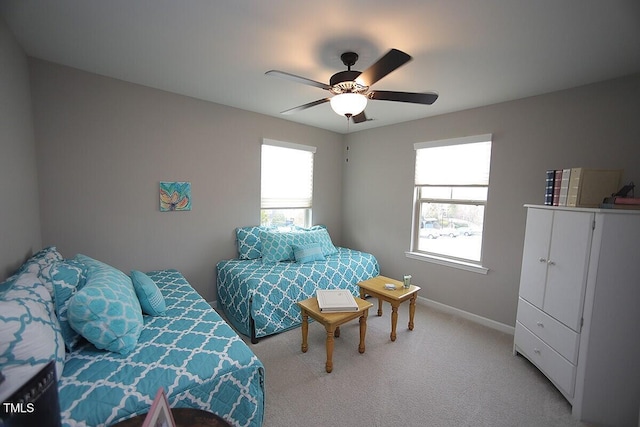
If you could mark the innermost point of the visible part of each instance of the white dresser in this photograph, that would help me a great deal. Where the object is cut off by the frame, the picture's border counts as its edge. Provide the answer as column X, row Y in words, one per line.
column 578, row 315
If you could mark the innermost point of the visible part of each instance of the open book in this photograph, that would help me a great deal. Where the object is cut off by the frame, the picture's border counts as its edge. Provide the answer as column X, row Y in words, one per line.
column 336, row 300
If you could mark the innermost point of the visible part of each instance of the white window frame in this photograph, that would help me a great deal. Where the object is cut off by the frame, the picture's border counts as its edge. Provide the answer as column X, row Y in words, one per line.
column 283, row 201
column 443, row 259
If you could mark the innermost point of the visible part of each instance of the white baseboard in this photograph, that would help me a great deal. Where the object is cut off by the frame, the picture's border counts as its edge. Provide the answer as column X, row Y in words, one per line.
column 466, row 315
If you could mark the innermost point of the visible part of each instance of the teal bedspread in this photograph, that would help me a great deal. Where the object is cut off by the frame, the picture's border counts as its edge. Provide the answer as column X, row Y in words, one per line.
column 191, row 352
column 250, row 290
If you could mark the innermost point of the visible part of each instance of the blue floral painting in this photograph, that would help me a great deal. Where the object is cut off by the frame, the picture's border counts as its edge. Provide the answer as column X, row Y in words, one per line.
column 175, row 196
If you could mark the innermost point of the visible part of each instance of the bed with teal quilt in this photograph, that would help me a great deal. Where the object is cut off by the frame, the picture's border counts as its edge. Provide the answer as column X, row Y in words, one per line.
column 116, row 339
column 259, row 290
column 198, row 359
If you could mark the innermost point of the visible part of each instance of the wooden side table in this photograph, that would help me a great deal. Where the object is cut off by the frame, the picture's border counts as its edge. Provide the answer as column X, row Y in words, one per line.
column 375, row 288
column 332, row 322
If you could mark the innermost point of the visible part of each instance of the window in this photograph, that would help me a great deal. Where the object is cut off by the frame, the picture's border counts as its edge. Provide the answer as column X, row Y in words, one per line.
column 287, row 184
column 451, row 186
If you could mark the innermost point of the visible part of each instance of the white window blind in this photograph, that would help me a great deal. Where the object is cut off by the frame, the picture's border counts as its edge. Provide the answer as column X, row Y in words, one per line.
column 286, row 175
column 458, row 161
column 451, row 188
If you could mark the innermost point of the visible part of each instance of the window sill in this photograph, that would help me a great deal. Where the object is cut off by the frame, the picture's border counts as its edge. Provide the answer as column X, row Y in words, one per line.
column 462, row 265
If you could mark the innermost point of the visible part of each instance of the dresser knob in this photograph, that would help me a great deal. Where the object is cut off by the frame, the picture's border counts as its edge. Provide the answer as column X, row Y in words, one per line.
column 540, row 324
column 551, row 262
column 536, row 351
column 542, row 260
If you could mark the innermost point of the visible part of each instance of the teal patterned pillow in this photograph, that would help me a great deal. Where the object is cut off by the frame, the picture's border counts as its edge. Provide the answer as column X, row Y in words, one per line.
column 40, row 262
column 106, row 311
column 41, row 259
column 7, row 285
column 308, row 253
column 150, row 297
column 248, row 239
column 277, row 247
column 321, row 235
column 30, row 335
column 67, row 277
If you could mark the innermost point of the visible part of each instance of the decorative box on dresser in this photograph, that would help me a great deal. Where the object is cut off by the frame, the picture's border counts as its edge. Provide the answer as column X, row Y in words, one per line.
column 578, row 314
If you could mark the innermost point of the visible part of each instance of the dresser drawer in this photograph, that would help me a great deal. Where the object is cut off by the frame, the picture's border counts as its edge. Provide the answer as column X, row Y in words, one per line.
column 552, row 364
column 561, row 338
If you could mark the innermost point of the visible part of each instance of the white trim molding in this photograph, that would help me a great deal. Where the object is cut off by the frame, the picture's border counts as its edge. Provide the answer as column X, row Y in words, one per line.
column 284, row 144
column 453, row 141
column 466, row 315
column 462, row 265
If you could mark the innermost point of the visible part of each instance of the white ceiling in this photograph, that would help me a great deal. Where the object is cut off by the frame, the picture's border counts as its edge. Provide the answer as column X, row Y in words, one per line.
column 472, row 52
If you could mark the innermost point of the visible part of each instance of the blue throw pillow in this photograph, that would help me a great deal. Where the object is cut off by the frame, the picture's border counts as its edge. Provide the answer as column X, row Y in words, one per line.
column 41, row 259
column 308, row 253
column 278, row 246
column 248, row 239
column 321, row 235
column 67, row 277
column 106, row 311
column 39, row 262
column 150, row 297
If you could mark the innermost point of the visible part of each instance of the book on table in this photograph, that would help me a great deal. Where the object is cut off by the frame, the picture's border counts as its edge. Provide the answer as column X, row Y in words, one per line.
column 336, row 300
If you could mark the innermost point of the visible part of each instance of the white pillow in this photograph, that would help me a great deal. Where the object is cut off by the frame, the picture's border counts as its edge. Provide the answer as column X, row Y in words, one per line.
column 30, row 335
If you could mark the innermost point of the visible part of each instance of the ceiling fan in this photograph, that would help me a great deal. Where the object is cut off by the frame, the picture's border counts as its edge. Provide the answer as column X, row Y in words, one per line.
column 351, row 89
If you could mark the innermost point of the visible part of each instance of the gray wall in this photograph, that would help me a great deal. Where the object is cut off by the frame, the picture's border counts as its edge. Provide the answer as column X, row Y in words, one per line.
column 595, row 126
column 104, row 145
column 19, row 213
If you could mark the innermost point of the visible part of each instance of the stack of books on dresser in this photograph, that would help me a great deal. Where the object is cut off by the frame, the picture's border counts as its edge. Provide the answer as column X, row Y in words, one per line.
column 580, row 187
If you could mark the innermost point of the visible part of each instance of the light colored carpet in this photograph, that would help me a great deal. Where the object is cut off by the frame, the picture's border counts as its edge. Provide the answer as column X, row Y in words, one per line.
column 448, row 371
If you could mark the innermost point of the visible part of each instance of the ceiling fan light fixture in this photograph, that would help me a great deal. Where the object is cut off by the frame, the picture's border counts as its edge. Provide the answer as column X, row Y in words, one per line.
column 348, row 104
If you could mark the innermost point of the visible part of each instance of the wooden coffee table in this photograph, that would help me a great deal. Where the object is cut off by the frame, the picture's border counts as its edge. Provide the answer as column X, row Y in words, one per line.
column 375, row 288
column 331, row 323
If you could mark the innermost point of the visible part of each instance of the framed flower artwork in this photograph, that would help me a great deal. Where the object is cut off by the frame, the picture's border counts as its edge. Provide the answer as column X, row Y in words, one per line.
column 175, row 196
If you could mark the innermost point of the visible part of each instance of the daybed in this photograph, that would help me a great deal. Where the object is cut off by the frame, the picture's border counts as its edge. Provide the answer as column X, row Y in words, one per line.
column 114, row 372
column 258, row 291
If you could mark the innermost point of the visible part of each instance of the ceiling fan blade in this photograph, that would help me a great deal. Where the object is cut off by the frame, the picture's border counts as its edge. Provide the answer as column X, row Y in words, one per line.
column 359, row 118
column 392, row 60
column 412, row 97
column 298, row 79
column 305, row 106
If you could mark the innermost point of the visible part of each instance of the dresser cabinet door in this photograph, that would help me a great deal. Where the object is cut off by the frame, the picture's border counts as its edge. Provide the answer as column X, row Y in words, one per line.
column 567, row 266
column 555, row 262
column 535, row 254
